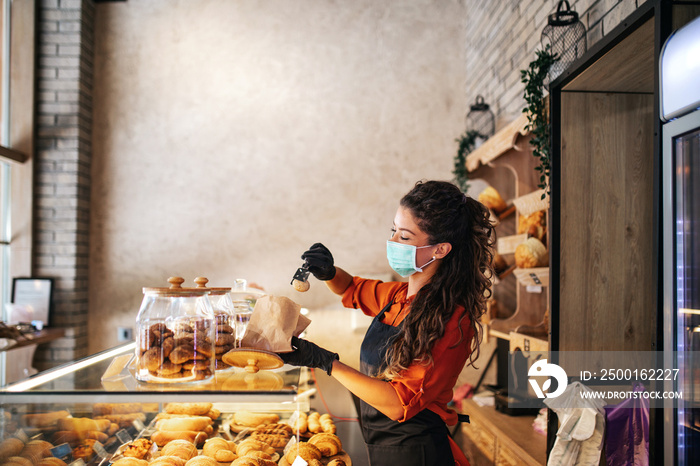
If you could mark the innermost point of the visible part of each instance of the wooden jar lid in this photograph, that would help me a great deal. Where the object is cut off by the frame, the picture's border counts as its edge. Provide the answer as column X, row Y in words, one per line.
column 176, row 288
column 252, row 359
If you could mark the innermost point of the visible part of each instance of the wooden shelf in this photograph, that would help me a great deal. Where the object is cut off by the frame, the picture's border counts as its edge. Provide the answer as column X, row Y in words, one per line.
column 536, row 276
column 498, row 144
column 500, row 438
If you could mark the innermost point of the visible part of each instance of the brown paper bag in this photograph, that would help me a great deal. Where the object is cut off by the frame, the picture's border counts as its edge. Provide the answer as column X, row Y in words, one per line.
column 274, row 321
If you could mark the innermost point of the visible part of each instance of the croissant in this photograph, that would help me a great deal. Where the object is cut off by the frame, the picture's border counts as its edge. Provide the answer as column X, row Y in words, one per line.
column 327, row 424
column 168, row 461
column 180, row 448
column 314, row 422
column 306, row 450
column 329, row 444
column 250, row 445
column 250, row 461
column 201, row 461
column 219, row 449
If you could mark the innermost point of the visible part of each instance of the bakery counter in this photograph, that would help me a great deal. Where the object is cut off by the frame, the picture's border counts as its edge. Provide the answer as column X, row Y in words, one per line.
column 109, row 376
column 94, row 410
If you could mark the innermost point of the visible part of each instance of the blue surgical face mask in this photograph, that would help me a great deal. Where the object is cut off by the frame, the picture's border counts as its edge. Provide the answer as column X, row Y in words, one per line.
column 402, row 258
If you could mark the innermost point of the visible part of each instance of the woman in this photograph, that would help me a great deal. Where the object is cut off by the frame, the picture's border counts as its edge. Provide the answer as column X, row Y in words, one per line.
column 423, row 331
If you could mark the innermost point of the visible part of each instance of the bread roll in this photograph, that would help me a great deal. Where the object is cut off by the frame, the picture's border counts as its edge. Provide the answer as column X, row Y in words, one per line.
column 299, row 421
column 127, row 461
column 246, row 418
column 306, row 450
column 83, row 424
column 123, row 420
column 492, row 199
column 184, row 423
column 162, row 438
column 336, row 462
column 531, row 253
column 10, row 447
column 100, row 409
column 43, row 419
column 36, row 450
column 250, row 461
column 195, row 409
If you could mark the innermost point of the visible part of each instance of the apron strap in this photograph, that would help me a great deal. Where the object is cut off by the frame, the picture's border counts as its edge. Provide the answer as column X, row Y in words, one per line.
column 463, row 418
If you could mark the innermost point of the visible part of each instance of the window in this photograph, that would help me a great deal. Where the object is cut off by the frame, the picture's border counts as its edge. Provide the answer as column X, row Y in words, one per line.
column 16, row 124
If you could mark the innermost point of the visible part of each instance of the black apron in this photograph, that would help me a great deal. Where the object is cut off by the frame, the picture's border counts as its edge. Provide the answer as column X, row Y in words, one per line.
column 419, row 441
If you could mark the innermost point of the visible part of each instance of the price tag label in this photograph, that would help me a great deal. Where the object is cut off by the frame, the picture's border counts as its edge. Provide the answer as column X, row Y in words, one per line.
column 299, row 462
column 123, row 436
column 533, row 288
column 22, row 435
column 140, row 427
column 100, row 450
column 61, row 451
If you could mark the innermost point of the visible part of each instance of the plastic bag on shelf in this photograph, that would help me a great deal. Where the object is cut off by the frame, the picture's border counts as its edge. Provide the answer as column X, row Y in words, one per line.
column 627, row 436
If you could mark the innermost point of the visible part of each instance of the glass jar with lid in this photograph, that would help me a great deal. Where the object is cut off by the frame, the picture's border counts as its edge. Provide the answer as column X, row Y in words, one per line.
column 225, row 333
column 243, row 298
column 175, row 328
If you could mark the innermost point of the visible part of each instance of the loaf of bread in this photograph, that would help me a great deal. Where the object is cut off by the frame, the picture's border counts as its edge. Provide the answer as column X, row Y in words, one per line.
column 193, row 409
column 101, row 409
column 122, row 420
column 162, row 438
column 276, row 435
column 492, row 199
column 306, row 450
column 184, row 423
column 531, row 253
column 41, row 420
column 328, row 443
column 17, row 461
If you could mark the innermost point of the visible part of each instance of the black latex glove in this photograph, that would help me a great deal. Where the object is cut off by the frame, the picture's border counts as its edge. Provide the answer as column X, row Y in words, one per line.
column 320, row 262
column 309, row 355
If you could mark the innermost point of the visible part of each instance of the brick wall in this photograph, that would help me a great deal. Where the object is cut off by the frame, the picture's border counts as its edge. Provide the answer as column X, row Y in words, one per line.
column 503, row 36
column 62, row 178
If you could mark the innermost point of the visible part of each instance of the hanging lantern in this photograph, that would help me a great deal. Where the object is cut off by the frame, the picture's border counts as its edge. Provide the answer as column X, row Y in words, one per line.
column 566, row 36
column 480, row 119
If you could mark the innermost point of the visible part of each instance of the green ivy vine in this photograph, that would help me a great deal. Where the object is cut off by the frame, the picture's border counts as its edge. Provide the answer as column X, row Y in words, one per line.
column 466, row 142
column 538, row 122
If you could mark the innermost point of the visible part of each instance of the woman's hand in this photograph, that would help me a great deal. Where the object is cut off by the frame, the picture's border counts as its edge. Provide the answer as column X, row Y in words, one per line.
column 320, row 261
column 309, row 354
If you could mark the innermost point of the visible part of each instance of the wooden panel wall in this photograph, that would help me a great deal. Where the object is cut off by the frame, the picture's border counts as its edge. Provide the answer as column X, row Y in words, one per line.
column 606, row 289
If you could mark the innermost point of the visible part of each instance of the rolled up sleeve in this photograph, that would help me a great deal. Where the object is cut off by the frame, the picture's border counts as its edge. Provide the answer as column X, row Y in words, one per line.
column 370, row 296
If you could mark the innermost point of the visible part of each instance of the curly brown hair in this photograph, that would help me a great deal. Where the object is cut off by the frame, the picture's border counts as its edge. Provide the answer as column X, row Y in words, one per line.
column 446, row 215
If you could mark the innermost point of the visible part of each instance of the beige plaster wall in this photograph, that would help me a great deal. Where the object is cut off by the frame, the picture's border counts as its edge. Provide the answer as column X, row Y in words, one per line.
column 231, row 135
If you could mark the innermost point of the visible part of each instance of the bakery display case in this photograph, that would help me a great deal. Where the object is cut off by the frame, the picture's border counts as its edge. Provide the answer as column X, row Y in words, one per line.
column 98, row 404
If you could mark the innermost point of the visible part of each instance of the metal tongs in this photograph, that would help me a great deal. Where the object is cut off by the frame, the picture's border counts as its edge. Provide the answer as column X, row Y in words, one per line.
column 302, row 274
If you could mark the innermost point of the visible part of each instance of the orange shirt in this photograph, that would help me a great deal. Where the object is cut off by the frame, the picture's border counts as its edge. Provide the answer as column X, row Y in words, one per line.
column 420, row 386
